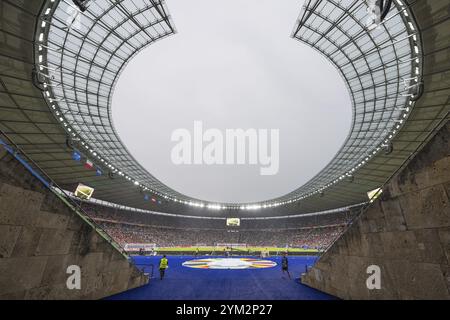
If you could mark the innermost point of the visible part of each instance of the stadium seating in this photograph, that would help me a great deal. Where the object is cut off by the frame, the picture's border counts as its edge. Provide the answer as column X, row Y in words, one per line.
column 131, row 227
column 318, row 238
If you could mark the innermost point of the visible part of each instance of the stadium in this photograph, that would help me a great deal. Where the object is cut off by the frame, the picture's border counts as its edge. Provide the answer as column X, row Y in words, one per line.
column 82, row 218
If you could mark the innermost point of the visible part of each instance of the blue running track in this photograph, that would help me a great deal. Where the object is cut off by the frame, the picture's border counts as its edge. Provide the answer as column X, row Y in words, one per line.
column 183, row 283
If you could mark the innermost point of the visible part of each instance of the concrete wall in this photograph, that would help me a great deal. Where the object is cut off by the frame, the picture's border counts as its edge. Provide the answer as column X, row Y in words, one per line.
column 406, row 233
column 40, row 236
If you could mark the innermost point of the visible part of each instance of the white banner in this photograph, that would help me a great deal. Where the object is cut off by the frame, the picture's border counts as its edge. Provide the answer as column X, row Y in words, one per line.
column 137, row 246
column 234, row 245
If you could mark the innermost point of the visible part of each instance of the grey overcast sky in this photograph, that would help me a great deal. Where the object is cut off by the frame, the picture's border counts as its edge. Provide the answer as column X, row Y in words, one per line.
column 231, row 65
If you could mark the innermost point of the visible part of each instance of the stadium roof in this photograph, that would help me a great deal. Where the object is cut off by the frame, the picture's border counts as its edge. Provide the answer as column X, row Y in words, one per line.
column 59, row 66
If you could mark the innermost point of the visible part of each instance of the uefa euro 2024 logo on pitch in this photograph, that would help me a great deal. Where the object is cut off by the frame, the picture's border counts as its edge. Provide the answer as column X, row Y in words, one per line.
column 232, row 147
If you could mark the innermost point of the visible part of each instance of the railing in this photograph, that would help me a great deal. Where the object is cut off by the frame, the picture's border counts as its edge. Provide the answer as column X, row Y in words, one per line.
column 150, row 265
column 366, row 207
column 40, row 174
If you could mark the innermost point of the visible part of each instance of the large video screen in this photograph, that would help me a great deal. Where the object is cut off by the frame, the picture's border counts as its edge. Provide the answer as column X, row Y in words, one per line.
column 233, row 222
column 374, row 194
column 84, row 192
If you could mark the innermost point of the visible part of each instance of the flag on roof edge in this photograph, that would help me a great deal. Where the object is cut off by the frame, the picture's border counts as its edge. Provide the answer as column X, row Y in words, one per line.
column 76, row 156
column 89, row 164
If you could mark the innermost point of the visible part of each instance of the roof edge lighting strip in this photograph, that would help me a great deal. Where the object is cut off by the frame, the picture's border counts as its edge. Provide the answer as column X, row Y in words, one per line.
column 134, row 173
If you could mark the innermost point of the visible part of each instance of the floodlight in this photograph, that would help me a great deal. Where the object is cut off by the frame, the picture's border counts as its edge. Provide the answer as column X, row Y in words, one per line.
column 388, row 148
column 84, row 192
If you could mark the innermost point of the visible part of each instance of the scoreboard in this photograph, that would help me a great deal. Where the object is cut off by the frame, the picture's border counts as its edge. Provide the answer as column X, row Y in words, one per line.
column 233, row 222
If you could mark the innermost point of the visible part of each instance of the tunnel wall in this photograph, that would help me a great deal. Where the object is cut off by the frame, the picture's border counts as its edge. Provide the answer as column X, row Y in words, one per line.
column 40, row 236
column 406, row 233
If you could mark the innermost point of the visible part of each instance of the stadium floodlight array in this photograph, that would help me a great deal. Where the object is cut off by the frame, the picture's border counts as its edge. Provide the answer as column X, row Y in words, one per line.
column 80, row 56
column 107, row 204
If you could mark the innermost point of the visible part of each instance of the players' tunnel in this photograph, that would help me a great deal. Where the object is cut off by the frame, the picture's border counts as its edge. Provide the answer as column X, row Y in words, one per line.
column 59, row 64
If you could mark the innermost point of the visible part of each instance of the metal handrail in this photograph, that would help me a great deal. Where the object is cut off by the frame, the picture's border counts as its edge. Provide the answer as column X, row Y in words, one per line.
column 151, row 265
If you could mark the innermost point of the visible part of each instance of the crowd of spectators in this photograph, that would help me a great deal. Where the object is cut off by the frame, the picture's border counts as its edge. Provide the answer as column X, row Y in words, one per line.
column 136, row 227
column 117, row 215
column 170, row 237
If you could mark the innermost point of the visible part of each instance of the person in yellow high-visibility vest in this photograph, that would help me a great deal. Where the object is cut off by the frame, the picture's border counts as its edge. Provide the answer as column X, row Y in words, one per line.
column 163, row 265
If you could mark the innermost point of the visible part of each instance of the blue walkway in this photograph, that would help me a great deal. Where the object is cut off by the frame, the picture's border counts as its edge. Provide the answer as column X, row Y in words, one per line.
column 182, row 283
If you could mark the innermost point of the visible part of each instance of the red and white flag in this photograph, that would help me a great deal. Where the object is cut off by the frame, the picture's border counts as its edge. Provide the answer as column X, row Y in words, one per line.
column 88, row 164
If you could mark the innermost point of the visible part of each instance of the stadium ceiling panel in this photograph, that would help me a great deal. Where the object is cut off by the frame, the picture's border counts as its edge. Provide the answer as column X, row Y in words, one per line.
column 56, row 97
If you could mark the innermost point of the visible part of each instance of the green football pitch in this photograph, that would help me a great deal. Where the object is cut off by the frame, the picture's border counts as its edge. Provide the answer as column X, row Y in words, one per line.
column 235, row 249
